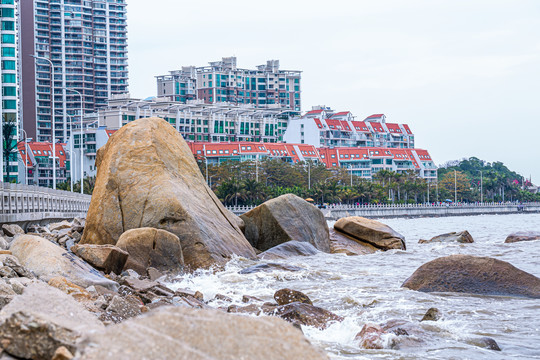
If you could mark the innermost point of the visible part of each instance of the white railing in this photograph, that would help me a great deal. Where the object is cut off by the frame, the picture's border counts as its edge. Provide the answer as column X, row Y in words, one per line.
column 22, row 199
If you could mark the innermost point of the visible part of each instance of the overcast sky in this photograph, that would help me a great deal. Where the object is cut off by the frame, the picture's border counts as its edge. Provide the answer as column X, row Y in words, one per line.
column 464, row 74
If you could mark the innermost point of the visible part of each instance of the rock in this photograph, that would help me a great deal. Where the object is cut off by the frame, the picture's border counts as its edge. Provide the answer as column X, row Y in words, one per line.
column 287, row 296
column 252, row 309
column 461, row 237
column 523, row 236
column 154, row 273
column 285, row 218
column 147, row 177
column 149, row 247
column 13, row 263
column 4, row 245
column 188, row 334
column 60, row 226
column 268, row 268
column 36, row 323
column 78, row 224
column 185, row 292
column 107, row 258
column 486, row 343
column 47, row 260
column 12, row 229
column 62, row 354
column 370, row 336
column 249, row 298
column 237, row 220
column 124, row 308
column 305, row 314
column 288, row 249
column 222, row 297
column 433, row 314
column 341, row 243
column 140, row 285
column 473, row 274
column 372, row 232
column 77, row 292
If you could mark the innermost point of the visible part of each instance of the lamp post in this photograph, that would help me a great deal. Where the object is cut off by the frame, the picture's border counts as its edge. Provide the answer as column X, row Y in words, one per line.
column 210, row 185
column 70, row 151
column 81, row 141
column 52, row 115
column 26, row 160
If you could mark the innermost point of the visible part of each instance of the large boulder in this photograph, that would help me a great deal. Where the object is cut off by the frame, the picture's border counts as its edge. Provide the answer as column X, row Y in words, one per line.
column 47, row 260
column 343, row 244
column 181, row 333
column 34, row 324
column 523, row 236
column 372, row 232
column 283, row 219
column 147, row 177
column 461, row 237
column 473, row 274
column 149, row 247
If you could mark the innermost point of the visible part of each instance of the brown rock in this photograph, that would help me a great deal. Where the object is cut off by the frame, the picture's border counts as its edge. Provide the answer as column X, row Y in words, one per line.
column 249, row 298
column 185, row 292
column 107, row 258
column 342, row 243
column 461, row 237
column 48, row 260
column 288, row 249
column 78, row 293
column 433, row 314
column 124, row 308
column 373, row 232
column 305, row 314
column 252, row 309
column 201, row 335
column 12, row 262
column 149, row 247
column 287, row 296
column 147, row 177
column 59, row 226
column 12, row 229
column 370, row 336
column 473, row 274
column 283, row 219
column 523, row 236
column 62, row 353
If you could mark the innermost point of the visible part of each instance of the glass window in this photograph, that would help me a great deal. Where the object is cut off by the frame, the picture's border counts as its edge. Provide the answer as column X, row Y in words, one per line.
column 8, row 64
column 8, row 51
column 8, row 25
column 9, row 104
column 9, row 91
column 8, row 78
column 7, row 12
column 8, row 38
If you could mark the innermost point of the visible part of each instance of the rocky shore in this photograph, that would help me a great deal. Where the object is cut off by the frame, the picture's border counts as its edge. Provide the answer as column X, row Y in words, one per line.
column 100, row 287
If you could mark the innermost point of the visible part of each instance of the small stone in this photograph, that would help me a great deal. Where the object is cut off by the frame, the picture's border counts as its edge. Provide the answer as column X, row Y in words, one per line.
column 489, row 343
column 248, row 299
column 59, row 226
column 12, row 229
column 62, row 353
column 6, row 252
column 16, row 285
column 124, row 308
column 69, row 288
column 287, row 296
column 4, row 245
column 140, row 285
column 305, row 314
column 12, row 262
column 250, row 309
column 154, row 273
column 185, row 292
column 7, row 272
column 433, row 314
column 75, row 235
column 223, row 298
column 370, row 336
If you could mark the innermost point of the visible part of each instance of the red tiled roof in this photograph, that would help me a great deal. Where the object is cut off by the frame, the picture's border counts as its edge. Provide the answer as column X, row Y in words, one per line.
column 360, row 126
column 110, row 132
column 313, row 112
column 407, row 129
column 43, row 149
column 342, row 113
column 374, row 116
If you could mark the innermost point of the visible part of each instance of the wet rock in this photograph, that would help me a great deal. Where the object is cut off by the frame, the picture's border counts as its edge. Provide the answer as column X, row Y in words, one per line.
column 461, row 237
column 12, row 229
column 107, row 258
column 285, row 218
column 200, row 334
column 370, row 337
column 147, row 177
column 47, row 260
column 36, row 323
column 372, row 232
column 60, row 226
column 252, row 309
column 222, row 297
column 185, row 292
column 473, row 274
column 486, row 343
column 269, row 267
column 342, row 243
column 305, row 314
column 287, row 296
column 288, row 249
column 248, row 299
column 523, row 236
column 149, row 247
column 433, row 314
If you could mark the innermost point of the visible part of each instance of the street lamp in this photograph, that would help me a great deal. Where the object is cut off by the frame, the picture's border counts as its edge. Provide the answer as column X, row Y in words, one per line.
column 210, row 185
column 81, row 135
column 26, row 153
column 70, row 151
column 52, row 114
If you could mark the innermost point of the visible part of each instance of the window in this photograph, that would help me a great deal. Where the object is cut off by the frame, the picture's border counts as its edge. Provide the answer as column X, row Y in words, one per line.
column 8, row 38
column 8, row 78
column 8, row 64
column 9, row 104
column 9, row 91
column 8, row 25
column 8, row 51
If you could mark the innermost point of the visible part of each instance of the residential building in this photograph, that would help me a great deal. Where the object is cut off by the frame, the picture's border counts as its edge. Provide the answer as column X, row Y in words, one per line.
column 9, row 82
column 324, row 127
column 363, row 162
column 86, row 42
column 267, row 86
column 197, row 120
column 35, row 163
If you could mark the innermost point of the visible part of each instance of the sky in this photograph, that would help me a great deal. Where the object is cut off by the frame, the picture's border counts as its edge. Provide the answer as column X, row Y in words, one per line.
column 464, row 74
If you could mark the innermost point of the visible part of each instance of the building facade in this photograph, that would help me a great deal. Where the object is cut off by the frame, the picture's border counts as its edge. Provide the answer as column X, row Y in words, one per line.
column 324, row 127
column 266, row 86
column 86, row 41
column 10, row 81
column 36, row 163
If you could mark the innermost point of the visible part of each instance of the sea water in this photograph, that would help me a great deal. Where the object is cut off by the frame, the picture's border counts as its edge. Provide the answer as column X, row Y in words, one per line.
column 367, row 289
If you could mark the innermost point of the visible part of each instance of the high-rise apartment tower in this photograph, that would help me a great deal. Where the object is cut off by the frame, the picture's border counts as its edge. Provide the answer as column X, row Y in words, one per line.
column 86, row 40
